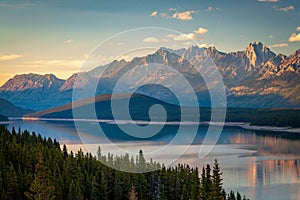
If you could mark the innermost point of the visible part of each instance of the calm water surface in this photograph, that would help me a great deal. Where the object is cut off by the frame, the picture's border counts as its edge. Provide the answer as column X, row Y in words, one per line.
column 259, row 164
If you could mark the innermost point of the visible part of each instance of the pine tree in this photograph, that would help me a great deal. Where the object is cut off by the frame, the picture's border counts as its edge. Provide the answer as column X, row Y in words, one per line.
column 75, row 192
column 95, row 190
column 141, row 162
column 41, row 187
column 118, row 190
column 238, row 196
column 132, row 194
column 13, row 192
column 231, row 196
column 103, row 186
column 217, row 187
column 206, row 183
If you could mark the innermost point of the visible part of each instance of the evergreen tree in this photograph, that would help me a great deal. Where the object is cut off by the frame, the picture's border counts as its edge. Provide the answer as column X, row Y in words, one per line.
column 13, row 192
column 35, row 167
column 217, row 187
column 238, row 196
column 41, row 187
column 141, row 162
column 132, row 194
column 75, row 192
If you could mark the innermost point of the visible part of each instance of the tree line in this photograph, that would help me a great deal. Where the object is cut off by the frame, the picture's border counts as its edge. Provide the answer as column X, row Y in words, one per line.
column 33, row 167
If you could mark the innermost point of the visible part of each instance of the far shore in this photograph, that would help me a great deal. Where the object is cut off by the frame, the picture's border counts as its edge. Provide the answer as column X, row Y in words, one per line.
column 243, row 125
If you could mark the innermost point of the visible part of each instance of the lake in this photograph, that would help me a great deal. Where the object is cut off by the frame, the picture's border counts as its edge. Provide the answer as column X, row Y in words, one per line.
column 261, row 165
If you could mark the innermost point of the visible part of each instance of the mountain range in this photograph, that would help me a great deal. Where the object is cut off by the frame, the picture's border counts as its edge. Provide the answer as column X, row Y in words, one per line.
column 255, row 77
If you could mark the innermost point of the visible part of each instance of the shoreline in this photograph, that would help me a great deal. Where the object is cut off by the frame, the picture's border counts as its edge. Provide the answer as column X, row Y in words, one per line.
column 242, row 125
column 247, row 126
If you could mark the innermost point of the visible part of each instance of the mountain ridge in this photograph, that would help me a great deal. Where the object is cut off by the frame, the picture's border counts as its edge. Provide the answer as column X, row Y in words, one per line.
column 255, row 72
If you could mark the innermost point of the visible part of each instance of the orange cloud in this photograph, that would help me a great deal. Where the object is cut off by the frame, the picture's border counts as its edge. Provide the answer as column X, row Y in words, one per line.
column 201, row 31
column 184, row 16
column 10, row 57
column 154, row 13
column 280, row 45
column 294, row 37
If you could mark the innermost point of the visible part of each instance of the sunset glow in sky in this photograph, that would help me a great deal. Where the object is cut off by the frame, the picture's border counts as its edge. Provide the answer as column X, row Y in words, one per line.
column 56, row 36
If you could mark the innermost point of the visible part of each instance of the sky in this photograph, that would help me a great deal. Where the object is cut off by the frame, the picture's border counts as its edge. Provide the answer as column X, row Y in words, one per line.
column 57, row 36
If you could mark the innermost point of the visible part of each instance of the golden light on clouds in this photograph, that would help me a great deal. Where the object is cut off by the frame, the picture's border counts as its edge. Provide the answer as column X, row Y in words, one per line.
column 69, row 41
column 184, row 16
column 280, row 45
column 10, row 57
column 294, row 37
column 154, row 13
column 201, row 31
column 151, row 40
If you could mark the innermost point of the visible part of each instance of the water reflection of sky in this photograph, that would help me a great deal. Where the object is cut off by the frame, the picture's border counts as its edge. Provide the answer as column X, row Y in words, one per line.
column 255, row 163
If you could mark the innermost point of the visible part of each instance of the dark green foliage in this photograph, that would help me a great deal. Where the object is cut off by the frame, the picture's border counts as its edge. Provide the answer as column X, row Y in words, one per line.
column 3, row 118
column 285, row 117
column 32, row 167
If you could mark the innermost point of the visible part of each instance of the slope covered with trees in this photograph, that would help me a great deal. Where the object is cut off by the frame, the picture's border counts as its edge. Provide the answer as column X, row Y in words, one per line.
column 33, row 167
column 3, row 118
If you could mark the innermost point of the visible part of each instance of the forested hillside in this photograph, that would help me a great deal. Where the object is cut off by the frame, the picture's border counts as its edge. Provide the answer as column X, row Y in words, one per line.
column 3, row 118
column 32, row 167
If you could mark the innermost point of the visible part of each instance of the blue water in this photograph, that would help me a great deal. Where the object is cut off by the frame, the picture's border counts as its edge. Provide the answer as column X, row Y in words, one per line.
column 260, row 165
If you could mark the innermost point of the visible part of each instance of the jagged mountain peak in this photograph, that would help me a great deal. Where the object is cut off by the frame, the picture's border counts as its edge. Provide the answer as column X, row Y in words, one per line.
column 82, row 79
column 244, row 73
column 257, row 47
column 32, row 81
column 213, row 50
column 257, row 53
column 296, row 53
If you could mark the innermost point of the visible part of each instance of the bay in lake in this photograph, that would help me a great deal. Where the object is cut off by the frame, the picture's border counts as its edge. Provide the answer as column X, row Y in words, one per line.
column 261, row 165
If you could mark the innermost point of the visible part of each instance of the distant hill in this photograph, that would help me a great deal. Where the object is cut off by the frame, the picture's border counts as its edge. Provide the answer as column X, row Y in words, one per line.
column 10, row 110
column 139, row 110
column 254, row 78
column 3, row 118
column 139, row 107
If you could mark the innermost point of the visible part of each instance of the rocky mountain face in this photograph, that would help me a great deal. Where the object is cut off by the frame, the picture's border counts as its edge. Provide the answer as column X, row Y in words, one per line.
column 29, row 90
column 277, row 83
column 254, row 77
column 32, row 81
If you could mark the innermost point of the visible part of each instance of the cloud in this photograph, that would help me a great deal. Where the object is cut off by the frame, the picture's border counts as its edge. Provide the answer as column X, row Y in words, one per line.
column 10, row 57
column 66, row 63
column 154, row 13
column 201, row 31
column 151, row 40
column 173, row 13
column 280, row 45
column 208, row 9
column 69, row 41
column 163, row 14
column 188, row 36
column 21, row 5
column 183, row 16
column 294, row 37
column 183, row 37
column 204, row 45
column 273, row 1
column 298, row 28
column 284, row 9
